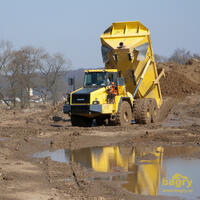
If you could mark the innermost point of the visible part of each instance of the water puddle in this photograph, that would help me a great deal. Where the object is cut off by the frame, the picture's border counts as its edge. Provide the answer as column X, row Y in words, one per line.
column 141, row 170
column 3, row 138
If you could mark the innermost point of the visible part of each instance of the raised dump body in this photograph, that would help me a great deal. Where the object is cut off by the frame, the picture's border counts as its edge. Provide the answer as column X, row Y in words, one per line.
column 126, row 46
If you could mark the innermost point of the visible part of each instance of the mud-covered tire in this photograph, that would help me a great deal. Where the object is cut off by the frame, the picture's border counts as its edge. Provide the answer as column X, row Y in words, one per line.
column 154, row 111
column 142, row 111
column 124, row 114
column 81, row 121
column 75, row 120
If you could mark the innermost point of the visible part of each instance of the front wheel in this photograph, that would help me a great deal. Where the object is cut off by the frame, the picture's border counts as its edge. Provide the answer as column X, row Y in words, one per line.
column 124, row 114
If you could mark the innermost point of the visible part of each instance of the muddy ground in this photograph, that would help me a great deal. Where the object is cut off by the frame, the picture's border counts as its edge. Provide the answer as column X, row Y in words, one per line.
column 24, row 132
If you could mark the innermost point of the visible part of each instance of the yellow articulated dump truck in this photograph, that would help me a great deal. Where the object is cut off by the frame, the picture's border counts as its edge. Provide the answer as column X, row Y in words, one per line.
column 127, row 88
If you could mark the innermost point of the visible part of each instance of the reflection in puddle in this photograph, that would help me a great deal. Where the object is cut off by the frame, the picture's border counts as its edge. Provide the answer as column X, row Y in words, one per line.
column 140, row 170
column 3, row 139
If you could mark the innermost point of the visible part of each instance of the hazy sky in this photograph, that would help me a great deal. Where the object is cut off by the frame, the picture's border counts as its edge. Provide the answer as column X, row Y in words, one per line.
column 74, row 27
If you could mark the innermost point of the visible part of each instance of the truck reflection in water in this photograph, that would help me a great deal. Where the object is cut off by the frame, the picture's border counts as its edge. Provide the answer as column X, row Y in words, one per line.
column 142, row 164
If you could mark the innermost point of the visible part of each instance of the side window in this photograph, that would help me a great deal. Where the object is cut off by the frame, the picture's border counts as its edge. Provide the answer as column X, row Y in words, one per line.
column 105, row 50
column 112, row 77
column 142, row 51
column 88, row 79
column 115, row 77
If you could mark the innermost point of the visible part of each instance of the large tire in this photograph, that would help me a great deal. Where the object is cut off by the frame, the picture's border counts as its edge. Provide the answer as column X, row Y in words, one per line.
column 81, row 121
column 142, row 111
column 154, row 111
column 124, row 114
column 75, row 120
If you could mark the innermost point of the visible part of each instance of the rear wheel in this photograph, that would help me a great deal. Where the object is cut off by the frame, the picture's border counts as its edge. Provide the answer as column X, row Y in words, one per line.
column 142, row 111
column 124, row 114
column 154, row 111
column 81, row 121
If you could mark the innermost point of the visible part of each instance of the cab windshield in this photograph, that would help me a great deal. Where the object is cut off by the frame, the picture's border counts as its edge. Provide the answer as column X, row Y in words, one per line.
column 95, row 79
column 99, row 79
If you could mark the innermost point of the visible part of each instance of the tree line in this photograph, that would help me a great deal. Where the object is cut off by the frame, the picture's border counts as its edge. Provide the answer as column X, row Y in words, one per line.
column 180, row 56
column 30, row 68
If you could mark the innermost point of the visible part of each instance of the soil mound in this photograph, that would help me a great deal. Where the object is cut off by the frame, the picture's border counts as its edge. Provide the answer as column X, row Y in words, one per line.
column 176, row 84
column 192, row 61
column 180, row 80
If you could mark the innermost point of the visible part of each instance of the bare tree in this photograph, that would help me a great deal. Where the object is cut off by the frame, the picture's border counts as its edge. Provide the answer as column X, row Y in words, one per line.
column 20, row 72
column 197, row 56
column 42, row 85
column 5, row 53
column 58, row 67
column 31, row 60
column 180, row 56
column 159, row 58
column 28, row 68
column 53, row 71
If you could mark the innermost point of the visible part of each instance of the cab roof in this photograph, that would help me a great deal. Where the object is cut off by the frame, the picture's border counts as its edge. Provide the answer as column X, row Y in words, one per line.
column 101, row 70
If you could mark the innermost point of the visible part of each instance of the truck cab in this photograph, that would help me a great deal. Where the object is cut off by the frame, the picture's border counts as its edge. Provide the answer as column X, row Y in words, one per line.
column 98, row 98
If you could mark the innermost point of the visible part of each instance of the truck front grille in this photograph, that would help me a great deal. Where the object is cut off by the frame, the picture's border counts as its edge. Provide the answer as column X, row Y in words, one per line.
column 80, row 98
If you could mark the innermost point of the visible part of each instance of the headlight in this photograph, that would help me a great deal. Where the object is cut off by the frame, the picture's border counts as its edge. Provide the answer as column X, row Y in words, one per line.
column 95, row 102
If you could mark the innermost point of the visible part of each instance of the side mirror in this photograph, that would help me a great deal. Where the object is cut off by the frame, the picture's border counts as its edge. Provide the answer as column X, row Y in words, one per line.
column 108, row 82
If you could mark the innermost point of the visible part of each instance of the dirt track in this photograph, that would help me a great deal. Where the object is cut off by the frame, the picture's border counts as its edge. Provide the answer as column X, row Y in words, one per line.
column 33, row 130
